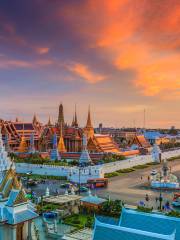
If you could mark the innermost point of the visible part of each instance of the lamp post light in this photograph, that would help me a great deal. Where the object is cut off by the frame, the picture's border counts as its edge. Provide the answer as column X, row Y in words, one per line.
column 80, row 167
column 160, row 195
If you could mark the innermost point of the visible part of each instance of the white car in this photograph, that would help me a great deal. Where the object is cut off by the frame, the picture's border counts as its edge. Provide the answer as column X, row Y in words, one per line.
column 153, row 172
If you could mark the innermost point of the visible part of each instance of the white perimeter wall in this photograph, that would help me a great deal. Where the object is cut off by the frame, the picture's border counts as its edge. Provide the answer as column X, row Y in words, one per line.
column 90, row 172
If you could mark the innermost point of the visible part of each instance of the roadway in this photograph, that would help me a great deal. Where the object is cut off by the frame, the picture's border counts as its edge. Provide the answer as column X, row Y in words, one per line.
column 131, row 188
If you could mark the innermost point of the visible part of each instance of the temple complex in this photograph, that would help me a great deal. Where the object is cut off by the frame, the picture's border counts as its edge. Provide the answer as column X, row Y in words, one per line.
column 16, row 214
column 25, row 137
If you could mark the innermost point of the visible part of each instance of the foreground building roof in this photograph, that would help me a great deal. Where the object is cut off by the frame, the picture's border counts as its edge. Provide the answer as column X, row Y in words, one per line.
column 134, row 225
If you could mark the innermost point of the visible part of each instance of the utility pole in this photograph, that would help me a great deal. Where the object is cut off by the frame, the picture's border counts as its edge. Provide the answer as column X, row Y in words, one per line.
column 144, row 119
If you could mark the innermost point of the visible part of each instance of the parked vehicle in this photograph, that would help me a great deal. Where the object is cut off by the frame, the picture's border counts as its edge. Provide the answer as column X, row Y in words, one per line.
column 97, row 182
column 66, row 185
column 83, row 189
column 154, row 172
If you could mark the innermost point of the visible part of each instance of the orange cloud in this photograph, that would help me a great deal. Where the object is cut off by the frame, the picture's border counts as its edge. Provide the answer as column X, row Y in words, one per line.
column 143, row 39
column 156, row 72
column 84, row 72
column 42, row 50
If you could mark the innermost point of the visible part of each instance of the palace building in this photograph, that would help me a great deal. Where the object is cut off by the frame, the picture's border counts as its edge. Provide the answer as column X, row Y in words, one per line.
column 13, row 132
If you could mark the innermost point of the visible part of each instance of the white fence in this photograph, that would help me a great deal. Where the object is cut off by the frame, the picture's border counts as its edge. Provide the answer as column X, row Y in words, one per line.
column 72, row 173
column 134, row 161
column 51, row 170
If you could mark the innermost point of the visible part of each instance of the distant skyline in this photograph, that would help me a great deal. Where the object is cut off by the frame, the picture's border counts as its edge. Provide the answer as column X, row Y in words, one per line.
column 119, row 56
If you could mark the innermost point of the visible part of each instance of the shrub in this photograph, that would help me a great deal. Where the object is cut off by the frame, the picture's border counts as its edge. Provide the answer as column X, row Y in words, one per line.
column 127, row 170
column 144, row 209
column 140, row 166
column 109, row 175
column 173, row 214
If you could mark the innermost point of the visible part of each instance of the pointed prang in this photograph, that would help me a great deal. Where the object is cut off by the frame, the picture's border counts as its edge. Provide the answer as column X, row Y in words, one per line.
column 35, row 119
column 75, row 118
column 61, row 115
column 89, row 123
column 49, row 122
column 17, row 120
column 72, row 122
column 61, row 145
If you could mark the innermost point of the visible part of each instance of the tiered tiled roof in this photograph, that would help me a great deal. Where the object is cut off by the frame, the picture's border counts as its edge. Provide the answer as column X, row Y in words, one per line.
column 141, row 141
column 104, row 143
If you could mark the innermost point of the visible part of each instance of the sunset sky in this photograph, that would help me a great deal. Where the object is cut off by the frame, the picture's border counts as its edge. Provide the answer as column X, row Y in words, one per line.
column 119, row 56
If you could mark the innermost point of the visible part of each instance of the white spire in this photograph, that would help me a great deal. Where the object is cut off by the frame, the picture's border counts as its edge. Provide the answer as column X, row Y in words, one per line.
column 72, row 191
column 84, row 158
column 47, row 192
column 89, row 192
column 5, row 162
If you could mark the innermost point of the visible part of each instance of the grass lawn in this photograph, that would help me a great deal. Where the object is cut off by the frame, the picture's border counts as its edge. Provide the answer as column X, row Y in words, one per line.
column 79, row 220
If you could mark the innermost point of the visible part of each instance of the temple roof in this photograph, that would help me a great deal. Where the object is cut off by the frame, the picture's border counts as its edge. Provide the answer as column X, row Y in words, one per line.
column 141, row 141
column 12, row 197
column 104, row 231
column 93, row 200
column 105, row 143
column 156, row 223
column 22, row 216
column 139, row 225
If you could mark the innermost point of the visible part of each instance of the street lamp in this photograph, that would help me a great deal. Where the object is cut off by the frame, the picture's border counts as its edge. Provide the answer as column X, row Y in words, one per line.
column 160, row 195
column 80, row 168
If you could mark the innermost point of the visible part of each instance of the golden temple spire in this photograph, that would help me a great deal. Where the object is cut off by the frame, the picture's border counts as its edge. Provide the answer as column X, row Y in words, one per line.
column 75, row 118
column 89, row 130
column 49, row 121
column 23, row 145
column 89, row 123
column 61, row 116
column 72, row 122
column 61, row 145
column 35, row 119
